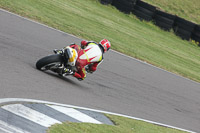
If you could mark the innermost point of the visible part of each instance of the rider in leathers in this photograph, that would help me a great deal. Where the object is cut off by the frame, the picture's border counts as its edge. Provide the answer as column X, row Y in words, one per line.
column 90, row 55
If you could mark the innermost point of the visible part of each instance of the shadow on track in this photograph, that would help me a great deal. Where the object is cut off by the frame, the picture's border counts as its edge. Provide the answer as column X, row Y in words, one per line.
column 77, row 83
column 56, row 75
column 63, row 78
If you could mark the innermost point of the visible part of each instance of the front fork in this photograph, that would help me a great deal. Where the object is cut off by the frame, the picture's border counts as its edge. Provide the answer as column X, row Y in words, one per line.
column 64, row 68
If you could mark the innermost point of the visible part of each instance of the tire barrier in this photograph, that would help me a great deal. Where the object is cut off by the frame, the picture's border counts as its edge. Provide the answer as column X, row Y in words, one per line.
column 142, row 16
column 144, row 11
column 164, row 20
column 146, row 5
column 125, row 6
column 196, row 34
column 185, row 29
column 184, row 34
column 106, row 2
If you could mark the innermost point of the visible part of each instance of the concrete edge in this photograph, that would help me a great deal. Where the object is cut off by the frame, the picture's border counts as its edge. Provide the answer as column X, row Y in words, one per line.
column 6, row 101
column 144, row 62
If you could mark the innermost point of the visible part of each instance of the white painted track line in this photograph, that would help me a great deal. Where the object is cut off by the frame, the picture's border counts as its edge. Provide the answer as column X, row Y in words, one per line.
column 30, row 114
column 5, row 101
column 7, row 128
column 75, row 114
column 4, row 130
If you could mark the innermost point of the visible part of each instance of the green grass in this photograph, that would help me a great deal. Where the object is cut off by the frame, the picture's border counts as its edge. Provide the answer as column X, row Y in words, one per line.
column 188, row 9
column 123, row 125
column 90, row 20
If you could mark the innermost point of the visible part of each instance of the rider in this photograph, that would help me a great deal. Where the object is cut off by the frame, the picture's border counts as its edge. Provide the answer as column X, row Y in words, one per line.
column 90, row 55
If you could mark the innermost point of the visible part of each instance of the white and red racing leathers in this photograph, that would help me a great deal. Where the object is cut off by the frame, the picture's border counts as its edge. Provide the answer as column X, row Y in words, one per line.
column 91, row 54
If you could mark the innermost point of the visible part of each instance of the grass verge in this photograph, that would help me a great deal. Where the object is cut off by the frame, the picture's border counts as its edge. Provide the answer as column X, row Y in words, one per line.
column 90, row 20
column 123, row 125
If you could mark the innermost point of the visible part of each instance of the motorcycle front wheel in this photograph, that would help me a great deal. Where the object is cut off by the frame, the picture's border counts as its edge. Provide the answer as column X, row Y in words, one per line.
column 48, row 62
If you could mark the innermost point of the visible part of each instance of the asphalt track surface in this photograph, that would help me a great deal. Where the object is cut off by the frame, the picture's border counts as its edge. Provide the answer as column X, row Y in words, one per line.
column 121, row 84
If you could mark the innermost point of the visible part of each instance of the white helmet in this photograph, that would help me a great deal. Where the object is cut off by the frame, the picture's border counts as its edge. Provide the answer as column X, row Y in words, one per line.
column 72, row 55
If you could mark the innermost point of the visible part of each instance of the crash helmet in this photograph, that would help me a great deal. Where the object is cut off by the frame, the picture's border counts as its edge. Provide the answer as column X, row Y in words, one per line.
column 106, row 44
column 72, row 56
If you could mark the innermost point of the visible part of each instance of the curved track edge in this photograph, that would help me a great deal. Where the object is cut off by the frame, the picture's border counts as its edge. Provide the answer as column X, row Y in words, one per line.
column 6, row 101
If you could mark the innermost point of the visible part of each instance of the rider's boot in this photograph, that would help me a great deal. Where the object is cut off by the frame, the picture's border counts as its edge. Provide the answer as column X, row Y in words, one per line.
column 64, row 72
column 68, row 71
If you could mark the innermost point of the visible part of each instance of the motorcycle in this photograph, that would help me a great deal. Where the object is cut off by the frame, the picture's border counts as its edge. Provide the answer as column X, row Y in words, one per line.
column 56, row 63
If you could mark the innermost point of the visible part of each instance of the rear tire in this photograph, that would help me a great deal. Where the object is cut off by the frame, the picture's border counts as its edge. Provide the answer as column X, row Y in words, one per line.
column 48, row 60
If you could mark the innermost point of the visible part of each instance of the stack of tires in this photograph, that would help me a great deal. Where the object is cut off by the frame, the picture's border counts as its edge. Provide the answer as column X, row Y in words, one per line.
column 196, row 34
column 125, row 6
column 164, row 20
column 144, row 11
column 106, row 2
column 183, row 28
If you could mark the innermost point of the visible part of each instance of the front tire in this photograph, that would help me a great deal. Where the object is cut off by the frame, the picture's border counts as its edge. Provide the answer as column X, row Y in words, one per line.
column 48, row 60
